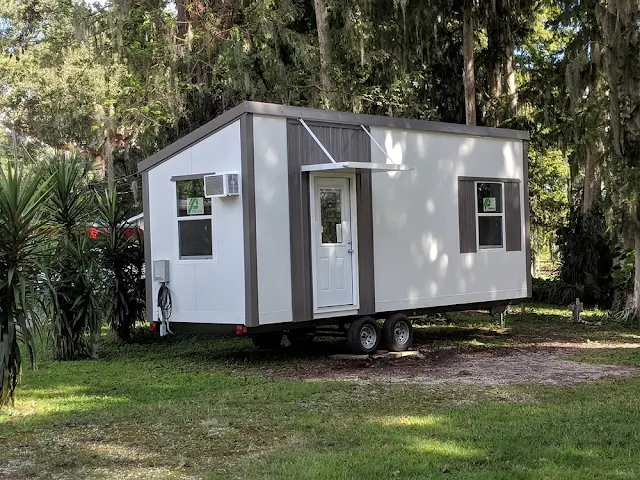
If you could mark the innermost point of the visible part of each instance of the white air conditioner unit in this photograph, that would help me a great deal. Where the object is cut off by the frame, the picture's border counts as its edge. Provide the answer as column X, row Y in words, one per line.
column 222, row 185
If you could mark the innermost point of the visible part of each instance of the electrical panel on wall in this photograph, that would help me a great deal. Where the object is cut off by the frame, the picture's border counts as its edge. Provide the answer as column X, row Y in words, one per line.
column 222, row 185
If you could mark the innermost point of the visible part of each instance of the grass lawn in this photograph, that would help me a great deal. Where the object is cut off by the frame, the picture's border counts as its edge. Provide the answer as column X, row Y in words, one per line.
column 181, row 408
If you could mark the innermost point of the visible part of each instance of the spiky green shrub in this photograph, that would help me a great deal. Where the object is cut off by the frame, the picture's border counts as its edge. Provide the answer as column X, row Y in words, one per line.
column 21, row 222
column 122, row 258
column 74, row 275
column 587, row 252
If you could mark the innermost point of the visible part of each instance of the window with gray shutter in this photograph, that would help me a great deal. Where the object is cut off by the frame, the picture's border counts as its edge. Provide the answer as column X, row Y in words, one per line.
column 489, row 214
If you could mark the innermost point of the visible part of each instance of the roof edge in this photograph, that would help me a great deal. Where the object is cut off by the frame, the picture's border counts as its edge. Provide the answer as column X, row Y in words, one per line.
column 315, row 114
column 193, row 137
column 273, row 109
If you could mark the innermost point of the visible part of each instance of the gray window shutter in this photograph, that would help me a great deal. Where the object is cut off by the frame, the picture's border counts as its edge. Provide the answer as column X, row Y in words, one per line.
column 512, row 217
column 467, row 215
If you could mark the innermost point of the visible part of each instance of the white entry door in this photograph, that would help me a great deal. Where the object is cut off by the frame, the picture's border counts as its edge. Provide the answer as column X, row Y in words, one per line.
column 333, row 242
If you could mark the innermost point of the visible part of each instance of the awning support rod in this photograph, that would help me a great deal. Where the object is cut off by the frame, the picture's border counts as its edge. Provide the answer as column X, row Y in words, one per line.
column 315, row 139
column 377, row 144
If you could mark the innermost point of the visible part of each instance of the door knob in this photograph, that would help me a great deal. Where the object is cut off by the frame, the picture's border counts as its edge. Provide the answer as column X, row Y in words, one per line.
column 350, row 250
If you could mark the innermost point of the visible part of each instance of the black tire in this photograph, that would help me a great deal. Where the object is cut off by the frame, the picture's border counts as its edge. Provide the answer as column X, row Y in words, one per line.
column 397, row 332
column 364, row 336
column 267, row 340
column 301, row 338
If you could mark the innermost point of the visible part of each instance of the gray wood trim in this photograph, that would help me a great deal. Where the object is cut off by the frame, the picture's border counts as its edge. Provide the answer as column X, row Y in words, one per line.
column 299, row 226
column 366, row 274
column 148, row 266
column 195, row 176
column 331, row 116
column 467, row 215
column 527, row 220
column 512, row 217
column 249, row 221
column 351, row 120
column 490, row 179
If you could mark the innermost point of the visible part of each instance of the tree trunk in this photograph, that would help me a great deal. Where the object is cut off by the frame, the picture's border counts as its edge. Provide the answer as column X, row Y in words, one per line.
column 591, row 189
column 636, row 278
column 512, row 89
column 495, row 92
column 495, row 47
column 469, row 74
column 324, row 43
column 181, row 17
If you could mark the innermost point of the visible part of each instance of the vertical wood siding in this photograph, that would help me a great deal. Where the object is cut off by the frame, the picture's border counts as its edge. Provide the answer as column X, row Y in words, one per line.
column 365, row 244
column 512, row 217
column 467, row 215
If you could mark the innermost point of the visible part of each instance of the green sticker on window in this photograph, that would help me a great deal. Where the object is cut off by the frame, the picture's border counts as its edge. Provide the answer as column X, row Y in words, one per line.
column 195, row 206
column 489, row 204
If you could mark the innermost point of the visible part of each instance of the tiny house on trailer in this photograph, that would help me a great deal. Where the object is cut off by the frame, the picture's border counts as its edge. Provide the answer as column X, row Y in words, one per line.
column 273, row 220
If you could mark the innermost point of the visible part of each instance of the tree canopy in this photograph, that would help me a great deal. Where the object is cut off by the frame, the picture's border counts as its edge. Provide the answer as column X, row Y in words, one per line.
column 117, row 80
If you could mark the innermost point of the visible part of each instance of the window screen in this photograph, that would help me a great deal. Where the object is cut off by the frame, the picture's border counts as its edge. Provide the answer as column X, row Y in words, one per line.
column 490, row 232
column 195, row 236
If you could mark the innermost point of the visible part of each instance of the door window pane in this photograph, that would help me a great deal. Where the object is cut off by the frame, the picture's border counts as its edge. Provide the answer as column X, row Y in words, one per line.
column 489, row 198
column 331, row 214
column 195, row 238
column 191, row 200
column 490, row 231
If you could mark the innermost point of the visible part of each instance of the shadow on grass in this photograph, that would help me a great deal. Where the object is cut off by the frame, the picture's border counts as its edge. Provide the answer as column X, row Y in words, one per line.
column 180, row 392
column 564, row 434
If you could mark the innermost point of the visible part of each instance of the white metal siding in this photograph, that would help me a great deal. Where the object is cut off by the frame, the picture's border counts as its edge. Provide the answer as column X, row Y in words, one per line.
column 417, row 255
column 272, row 220
column 203, row 291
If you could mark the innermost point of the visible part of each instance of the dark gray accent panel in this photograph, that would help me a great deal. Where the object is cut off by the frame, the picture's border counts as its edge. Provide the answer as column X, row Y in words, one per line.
column 148, row 267
column 366, row 279
column 345, row 143
column 330, row 116
column 512, row 217
column 527, row 221
column 195, row 176
column 467, row 215
column 249, row 222
column 299, row 225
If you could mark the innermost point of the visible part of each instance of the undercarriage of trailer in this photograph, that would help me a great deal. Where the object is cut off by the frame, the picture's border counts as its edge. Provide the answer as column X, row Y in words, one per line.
column 365, row 334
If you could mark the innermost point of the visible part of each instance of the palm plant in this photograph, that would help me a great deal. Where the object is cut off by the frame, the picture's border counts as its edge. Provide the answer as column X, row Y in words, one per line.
column 74, row 274
column 122, row 256
column 21, row 197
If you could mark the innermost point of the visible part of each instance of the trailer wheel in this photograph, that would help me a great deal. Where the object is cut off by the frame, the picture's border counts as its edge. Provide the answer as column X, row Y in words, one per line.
column 364, row 335
column 398, row 332
column 267, row 340
column 302, row 338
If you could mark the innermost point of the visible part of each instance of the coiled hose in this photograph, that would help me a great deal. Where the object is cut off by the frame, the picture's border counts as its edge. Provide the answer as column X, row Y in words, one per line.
column 164, row 307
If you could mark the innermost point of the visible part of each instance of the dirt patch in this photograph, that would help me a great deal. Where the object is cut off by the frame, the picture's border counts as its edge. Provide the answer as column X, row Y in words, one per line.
column 495, row 366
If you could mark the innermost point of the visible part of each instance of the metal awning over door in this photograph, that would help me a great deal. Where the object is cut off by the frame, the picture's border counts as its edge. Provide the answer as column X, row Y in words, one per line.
column 334, row 165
